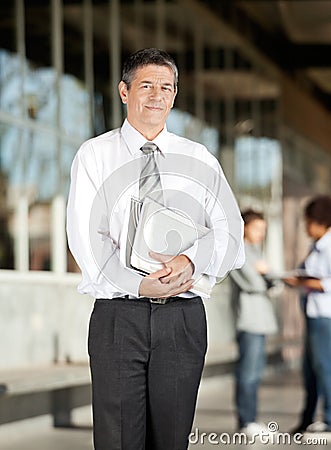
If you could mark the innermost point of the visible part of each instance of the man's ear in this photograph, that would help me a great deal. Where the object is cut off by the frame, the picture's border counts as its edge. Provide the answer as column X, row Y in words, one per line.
column 123, row 90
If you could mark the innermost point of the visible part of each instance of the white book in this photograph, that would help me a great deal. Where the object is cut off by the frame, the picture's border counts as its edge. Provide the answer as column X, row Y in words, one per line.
column 167, row 231
column 132, row 223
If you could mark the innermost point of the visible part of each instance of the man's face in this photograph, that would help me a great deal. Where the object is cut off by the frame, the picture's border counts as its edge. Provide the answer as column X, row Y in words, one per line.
column 255, row 231
column 149, row 99
column 314, row 229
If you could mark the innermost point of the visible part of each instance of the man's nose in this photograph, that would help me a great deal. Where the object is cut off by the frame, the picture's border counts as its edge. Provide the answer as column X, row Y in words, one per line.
column 156, row 92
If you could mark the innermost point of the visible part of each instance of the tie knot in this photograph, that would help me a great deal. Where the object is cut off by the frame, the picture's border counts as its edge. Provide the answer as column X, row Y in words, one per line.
column 149, row 148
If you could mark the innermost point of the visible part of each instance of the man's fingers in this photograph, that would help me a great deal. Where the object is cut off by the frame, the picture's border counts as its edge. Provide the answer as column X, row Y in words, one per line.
column 169, row 279
column 180, row 289
column 160, row 273
column 183, row 288
column 160, row 257
column 175, row 281
column 173, row 276
column 151, row 286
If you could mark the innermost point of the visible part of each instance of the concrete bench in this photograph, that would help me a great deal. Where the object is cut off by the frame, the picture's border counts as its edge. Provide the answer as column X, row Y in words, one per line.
column 55, row 389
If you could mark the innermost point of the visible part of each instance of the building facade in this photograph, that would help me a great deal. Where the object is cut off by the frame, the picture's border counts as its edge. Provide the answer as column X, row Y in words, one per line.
column 60, row 64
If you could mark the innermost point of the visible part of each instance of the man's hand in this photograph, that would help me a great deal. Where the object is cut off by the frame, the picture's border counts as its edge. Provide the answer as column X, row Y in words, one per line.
column 312, row 284
column 151, row 285
column 181, row 267
column 292, row 281
column 262, row 267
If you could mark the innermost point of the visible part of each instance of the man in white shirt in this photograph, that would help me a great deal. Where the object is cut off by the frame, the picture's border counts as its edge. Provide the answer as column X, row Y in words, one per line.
column 147, row 335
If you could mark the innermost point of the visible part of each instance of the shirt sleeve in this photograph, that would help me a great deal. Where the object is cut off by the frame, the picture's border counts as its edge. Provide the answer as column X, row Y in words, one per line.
column 222, row 249
column 326, row 284
column 249, row 280
column 318, row 263
column 326, row 280
column 95, row 252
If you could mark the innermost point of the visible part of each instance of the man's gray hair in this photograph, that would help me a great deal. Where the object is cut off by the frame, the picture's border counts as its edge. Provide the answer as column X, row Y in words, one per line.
column 146, row 57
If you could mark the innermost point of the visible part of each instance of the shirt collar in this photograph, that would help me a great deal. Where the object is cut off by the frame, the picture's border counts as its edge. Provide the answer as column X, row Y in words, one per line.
column 135, row 140
column 324, row 241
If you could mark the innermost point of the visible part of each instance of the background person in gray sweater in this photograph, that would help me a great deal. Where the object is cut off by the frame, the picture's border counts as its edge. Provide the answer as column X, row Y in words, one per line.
column 254, row 319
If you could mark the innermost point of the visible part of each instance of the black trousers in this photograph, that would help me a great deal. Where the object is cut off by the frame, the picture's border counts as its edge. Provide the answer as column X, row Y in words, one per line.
column 146, row 362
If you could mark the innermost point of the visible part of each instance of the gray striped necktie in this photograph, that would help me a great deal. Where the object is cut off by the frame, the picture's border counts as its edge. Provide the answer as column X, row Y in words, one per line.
column 150, row 181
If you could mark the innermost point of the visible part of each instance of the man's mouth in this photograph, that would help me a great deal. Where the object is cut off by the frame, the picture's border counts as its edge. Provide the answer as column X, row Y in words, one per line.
column 154, row 108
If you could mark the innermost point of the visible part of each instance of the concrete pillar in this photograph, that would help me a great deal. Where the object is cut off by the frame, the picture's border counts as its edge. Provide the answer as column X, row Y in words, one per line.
column 21, row 234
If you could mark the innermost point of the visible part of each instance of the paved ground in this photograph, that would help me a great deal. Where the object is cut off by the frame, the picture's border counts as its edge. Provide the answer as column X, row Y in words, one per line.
column 280, row 400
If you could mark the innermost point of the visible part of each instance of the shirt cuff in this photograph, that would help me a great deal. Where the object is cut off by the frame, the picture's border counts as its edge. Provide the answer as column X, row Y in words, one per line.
column 133, row 284
column 199, row 266
column 326, row 284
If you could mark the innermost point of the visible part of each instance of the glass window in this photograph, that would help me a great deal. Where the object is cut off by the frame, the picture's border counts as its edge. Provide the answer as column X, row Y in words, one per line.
column 10, row 82
column 257, row 165
column 6, row 236
column 73, row 38
column 9, row 62
column 39, row 236
column 8, row 26
column 184, row 124
column 75, row 102
column 10, row 172
column 102, row 104
column 40, row 82
column 40, row 94
column 75, row 117
column 305, row 163
column 29, row 168
column 42, row 181
column 38, row 24
column 68, row 152
column 42, row 167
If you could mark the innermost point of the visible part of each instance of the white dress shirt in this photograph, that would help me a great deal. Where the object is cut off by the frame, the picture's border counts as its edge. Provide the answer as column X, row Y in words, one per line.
column 318, row 264
column 105, row 174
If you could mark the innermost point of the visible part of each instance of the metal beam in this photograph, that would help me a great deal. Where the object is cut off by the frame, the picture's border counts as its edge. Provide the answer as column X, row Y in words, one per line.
column 218, row 18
